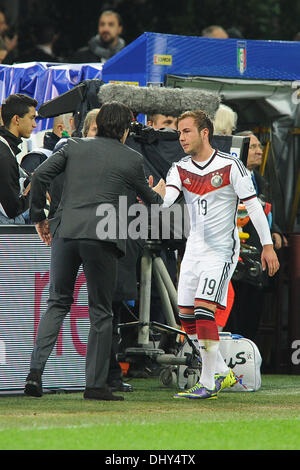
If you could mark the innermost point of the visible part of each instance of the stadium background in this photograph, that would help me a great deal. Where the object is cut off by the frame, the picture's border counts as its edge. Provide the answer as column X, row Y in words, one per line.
column 77, row 21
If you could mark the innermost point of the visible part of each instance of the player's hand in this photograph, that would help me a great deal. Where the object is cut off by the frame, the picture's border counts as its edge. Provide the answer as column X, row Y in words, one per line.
column 160, row 188
column 269, row 259
column 43, row 231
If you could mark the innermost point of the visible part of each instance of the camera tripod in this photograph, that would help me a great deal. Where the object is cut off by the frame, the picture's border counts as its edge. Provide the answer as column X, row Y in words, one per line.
column 151, row 262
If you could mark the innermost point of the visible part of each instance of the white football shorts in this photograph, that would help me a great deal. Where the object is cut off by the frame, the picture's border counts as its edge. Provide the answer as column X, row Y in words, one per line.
column 204, row 279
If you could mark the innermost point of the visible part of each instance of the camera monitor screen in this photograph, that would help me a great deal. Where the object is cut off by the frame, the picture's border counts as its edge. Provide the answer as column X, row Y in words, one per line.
column 237, row 146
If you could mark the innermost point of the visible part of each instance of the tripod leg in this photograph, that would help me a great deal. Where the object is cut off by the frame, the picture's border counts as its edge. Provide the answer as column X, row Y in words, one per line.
column 161, row 268
column 145, row 298
column 164, row 297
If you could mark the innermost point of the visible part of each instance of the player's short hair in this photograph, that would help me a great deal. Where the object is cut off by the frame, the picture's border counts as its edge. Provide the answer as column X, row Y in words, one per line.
column 202, row 121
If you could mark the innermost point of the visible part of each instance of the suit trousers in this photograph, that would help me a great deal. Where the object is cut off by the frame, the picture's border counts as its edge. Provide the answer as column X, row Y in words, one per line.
column 99, row 261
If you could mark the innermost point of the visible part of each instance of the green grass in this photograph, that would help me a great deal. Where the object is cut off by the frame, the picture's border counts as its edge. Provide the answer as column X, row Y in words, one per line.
column 150, row 419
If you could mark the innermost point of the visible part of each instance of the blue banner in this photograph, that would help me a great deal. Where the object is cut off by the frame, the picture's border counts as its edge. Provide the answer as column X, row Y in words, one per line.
column 44, row 81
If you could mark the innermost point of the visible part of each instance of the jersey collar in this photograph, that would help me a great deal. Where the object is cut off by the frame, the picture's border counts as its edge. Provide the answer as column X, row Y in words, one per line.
column 211, row 158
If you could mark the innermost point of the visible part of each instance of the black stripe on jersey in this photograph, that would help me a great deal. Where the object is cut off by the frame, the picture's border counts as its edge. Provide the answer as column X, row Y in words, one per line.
column 208, row 163
column 173, row 186
column 248, row 198
column 237, row 161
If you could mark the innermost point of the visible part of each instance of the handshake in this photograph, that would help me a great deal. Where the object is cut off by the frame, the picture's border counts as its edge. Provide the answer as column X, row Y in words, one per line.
column 160, row 188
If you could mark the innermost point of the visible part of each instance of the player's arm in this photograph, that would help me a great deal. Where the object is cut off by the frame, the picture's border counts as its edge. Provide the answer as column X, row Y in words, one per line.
column 173, row 186
column 258, row 218
column 243, row 185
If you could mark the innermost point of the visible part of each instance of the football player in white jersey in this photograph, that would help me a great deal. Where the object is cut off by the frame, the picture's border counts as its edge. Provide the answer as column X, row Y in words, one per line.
column 213, row 184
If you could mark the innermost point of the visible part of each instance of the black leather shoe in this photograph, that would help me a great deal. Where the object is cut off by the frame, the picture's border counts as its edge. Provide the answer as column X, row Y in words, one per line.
column 120, row 386
column 33, row 384
column 100, row 394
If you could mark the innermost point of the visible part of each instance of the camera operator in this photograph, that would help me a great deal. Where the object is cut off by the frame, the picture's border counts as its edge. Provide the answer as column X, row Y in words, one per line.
column 98, row 171
column 161, row 121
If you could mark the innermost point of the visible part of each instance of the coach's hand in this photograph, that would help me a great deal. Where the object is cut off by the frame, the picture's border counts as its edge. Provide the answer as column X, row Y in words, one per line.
column 269, row 259
column 43, row 231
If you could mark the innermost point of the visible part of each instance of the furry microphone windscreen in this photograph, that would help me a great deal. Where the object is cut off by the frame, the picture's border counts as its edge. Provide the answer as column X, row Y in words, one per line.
column 160, row 100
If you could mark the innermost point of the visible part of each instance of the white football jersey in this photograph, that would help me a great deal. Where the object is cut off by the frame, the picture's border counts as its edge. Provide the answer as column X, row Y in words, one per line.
column 212, row 191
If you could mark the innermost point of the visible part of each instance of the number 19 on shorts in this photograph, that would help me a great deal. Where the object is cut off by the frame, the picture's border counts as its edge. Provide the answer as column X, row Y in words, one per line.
column 209, row 286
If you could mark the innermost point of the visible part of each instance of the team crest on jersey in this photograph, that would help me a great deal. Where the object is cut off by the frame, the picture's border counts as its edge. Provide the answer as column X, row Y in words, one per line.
column 216, row 180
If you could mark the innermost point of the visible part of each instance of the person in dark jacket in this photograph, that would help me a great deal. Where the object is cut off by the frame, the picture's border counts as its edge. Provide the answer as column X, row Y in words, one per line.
column 44, row 36
column 18, row 115
column 126, row 285
column 98, row 172
column 106, row 43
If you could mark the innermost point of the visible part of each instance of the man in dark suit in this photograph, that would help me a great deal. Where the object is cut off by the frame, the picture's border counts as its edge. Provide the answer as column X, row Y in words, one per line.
column 98, row 171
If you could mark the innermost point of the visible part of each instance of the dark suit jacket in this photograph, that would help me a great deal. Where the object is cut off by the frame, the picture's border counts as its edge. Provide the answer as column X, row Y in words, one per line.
column 97, row 171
